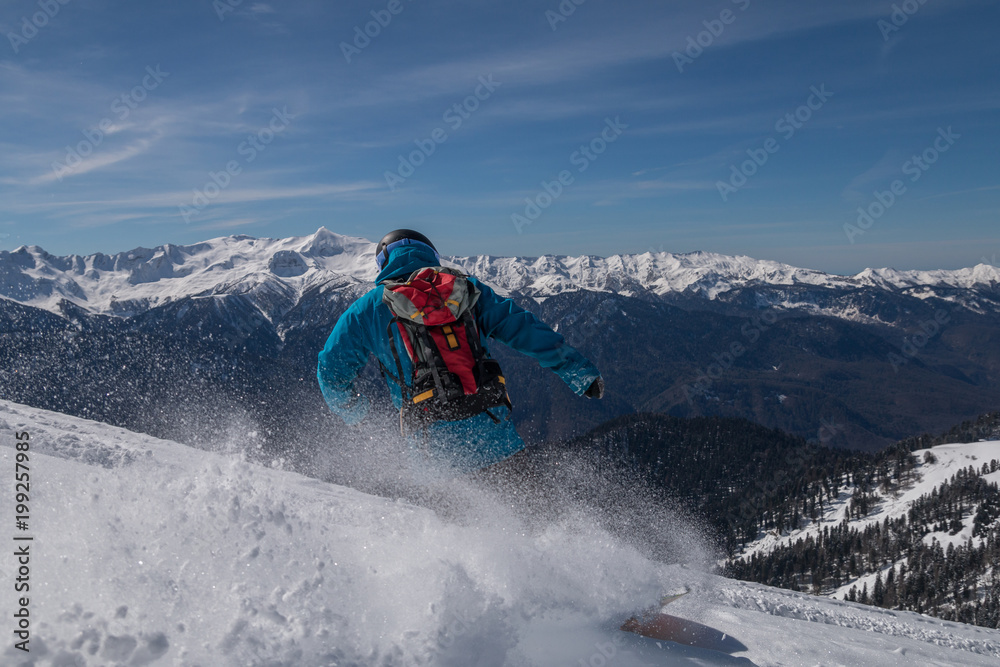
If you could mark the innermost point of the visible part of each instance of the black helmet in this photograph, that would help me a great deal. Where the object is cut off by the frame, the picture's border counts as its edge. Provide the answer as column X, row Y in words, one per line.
column 397, row 238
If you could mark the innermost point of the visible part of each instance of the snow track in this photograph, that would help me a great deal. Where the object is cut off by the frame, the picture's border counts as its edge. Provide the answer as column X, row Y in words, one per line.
column 908, row 630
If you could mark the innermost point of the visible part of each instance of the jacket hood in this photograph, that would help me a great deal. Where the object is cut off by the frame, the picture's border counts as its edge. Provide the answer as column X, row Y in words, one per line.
column 406, row 259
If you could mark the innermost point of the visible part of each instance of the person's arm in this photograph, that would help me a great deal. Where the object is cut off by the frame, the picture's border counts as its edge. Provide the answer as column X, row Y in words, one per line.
column 505, row 321
column 340, row 363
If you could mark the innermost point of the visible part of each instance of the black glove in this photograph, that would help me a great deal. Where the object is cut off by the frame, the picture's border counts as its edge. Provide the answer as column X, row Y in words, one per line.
column 596, row 389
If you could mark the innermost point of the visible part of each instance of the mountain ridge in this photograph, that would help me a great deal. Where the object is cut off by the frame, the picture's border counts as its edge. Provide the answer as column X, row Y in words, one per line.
column 242, row 264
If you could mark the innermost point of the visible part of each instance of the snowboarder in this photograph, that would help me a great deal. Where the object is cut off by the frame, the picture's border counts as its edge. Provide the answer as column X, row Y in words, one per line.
column 427, row 327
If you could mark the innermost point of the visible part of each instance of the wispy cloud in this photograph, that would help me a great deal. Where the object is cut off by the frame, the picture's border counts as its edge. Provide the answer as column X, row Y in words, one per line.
column 887, row 167
column 171, row 199
column 99, row 161
column 677, row 185
column 965, row 191
column 232, row 223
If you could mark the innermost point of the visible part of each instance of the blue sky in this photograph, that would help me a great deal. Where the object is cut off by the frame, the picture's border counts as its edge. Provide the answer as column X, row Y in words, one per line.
column 509, row 128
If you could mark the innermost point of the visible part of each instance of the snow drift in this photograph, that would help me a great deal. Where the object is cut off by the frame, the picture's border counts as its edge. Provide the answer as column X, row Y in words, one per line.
column 149, row 552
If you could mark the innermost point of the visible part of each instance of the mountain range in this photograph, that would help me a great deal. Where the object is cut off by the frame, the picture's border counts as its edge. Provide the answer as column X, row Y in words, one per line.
column 227, row 331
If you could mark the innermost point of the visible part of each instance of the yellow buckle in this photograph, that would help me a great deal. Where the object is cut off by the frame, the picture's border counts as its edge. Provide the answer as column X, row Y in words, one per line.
column 450, row 337
column 424, row 396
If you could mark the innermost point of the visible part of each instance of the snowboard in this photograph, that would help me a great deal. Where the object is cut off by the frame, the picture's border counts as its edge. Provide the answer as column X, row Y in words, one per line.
column 657, row 624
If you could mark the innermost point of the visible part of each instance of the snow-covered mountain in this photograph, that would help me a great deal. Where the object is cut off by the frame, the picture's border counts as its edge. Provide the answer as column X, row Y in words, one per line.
column 147, row 552
column 273, row 273
column 277, row 271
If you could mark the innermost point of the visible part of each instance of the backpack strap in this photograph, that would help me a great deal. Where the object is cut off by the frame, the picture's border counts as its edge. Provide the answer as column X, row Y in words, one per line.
column 429, row 344
column 425, row 338
column 476, row 345
column 472, row 335
column 398, row 378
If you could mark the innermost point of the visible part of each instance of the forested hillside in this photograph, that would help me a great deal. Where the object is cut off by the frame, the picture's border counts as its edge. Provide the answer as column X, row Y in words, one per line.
column 914, row 527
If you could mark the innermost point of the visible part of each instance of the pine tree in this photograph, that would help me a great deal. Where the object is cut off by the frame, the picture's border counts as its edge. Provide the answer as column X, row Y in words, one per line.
column 878, row 593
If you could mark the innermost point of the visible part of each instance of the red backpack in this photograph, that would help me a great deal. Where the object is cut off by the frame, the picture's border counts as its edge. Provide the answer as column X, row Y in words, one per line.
column 453, row 375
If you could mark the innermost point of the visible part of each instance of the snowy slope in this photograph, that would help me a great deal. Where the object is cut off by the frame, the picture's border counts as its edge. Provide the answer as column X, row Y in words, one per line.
column 148, row 552
column 930, row 475
column 131, row 282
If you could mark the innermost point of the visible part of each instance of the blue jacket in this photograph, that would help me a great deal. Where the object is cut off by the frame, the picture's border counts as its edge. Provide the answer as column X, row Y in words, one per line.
column 468, row 444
